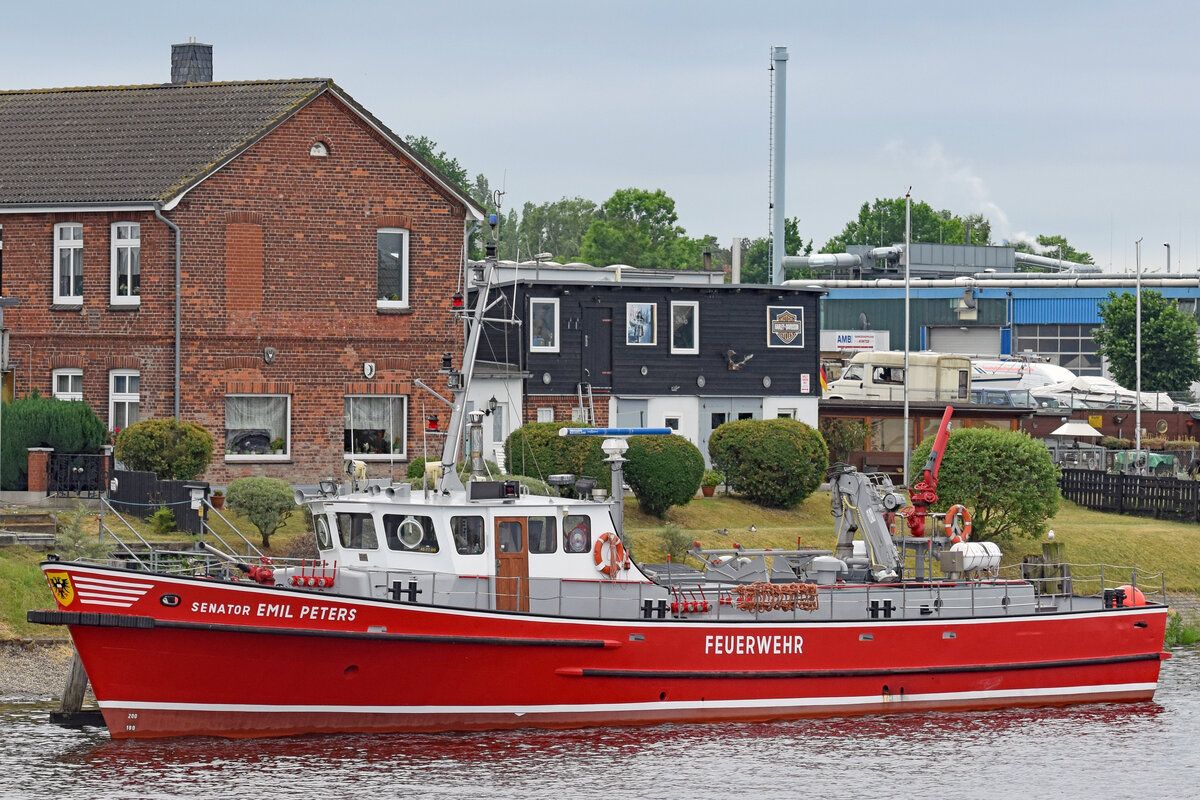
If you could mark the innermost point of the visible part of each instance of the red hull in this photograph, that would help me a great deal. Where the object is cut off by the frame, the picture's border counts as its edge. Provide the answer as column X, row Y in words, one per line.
column 241, row 660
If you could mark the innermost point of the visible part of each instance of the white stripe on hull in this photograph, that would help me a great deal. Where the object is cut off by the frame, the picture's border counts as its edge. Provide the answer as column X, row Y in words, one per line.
column 597, row 708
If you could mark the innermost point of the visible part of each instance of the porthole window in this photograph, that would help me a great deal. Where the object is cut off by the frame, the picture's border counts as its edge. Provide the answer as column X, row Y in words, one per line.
column 324, row 541
column 318, row 150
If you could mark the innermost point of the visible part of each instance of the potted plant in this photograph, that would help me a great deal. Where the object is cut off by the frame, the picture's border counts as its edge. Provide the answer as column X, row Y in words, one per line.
column 218, row 498
column 277, row 445
column 710, row 481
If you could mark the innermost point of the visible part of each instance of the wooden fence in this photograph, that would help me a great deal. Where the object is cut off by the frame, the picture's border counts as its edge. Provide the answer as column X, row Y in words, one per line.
column 1140, row 495
column 142, row 493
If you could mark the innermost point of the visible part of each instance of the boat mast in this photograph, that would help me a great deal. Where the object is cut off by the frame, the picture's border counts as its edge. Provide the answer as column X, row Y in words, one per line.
column 480, row 277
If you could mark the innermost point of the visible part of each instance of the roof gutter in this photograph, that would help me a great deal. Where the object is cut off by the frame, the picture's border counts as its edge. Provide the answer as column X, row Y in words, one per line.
column 178, row 295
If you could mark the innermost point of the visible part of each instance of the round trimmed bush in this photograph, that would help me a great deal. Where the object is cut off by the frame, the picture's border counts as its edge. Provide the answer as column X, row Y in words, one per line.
column 773, row 462
column 171, row 449
column 663, row 471
column 537, row 450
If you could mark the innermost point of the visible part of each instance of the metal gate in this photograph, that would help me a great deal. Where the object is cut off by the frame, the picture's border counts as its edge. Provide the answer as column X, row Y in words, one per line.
column 76, row 475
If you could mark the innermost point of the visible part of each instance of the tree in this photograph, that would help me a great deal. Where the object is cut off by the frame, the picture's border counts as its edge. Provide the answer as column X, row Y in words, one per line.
column 1007, row 481
column 171, row 449
column 883, row 223
column 638, row 228
column 557, row 228
column 266, row 502
column 1169, row 359
column 449, row 167
column 756, row 263
column 1049, row 246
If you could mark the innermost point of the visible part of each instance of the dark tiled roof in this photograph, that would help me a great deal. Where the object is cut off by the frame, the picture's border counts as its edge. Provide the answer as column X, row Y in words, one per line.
column 132, row 144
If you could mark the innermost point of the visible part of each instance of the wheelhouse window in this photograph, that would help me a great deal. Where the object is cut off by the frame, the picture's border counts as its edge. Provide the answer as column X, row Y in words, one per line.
column 577, row 534
column 376, row 426
column 126, row 287
column 68, row 384
column 467, row 533
column 68, row 263
column 410, row 532
column 257, row 425
column 685, row 328
column 391, row 254
column 357, row 531
column 543, row 534
column 124, row 398
column 641, row 323
column 543, row 324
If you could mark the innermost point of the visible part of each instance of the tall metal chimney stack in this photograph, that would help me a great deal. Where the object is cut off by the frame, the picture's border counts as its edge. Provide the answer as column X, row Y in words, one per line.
column 191, row 62
column 779, row 59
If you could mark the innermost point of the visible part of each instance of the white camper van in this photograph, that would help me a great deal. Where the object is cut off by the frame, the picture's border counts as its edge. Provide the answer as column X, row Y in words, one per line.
column 880, row 376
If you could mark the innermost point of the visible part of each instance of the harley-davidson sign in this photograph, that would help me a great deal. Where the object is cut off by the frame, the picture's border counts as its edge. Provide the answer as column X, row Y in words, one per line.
column 785, row 326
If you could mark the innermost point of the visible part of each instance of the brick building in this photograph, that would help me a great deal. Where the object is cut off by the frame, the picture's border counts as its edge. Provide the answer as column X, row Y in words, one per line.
column 313, row 255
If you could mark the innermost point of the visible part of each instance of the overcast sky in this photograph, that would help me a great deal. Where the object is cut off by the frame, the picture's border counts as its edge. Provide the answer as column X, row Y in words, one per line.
column 1072, row 118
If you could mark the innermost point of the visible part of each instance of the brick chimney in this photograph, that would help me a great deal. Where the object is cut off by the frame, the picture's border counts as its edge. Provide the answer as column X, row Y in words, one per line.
column 191, row 62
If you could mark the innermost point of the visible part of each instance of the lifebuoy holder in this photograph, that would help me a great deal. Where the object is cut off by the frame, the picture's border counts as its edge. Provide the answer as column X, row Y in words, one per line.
column 957, row 531
column 616, row 560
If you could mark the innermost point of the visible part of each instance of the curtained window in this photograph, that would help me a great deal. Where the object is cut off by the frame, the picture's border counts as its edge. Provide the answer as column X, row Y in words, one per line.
column 376, row 426
column 257, row 425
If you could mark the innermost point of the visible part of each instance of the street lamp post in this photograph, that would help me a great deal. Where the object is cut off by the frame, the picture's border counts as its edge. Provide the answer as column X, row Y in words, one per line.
column 1137, row 425
column 907, row 271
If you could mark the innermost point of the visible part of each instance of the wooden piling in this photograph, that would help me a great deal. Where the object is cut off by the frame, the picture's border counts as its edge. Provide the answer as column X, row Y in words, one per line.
column 71, row 713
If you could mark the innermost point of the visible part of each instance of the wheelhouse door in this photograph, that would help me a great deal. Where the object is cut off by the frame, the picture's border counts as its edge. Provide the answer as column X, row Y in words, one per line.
column 512, row 564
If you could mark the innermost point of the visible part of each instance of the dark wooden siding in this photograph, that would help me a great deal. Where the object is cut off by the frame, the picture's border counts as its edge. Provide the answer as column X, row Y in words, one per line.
column 731, row 318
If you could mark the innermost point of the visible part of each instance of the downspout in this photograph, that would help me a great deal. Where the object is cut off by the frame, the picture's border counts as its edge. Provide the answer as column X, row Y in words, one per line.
column 178, row 295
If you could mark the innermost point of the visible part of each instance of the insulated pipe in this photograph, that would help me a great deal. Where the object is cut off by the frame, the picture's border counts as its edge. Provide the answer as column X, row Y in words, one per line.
column 1058, row 282
column 1053, row 263
column 178, row 295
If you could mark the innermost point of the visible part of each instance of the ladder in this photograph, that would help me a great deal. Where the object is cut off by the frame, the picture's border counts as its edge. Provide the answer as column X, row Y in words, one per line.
column 587, row 412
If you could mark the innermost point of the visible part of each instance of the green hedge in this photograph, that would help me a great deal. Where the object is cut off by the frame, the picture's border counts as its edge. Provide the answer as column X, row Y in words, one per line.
column 538, row 451
column 663, row 471
column 773, row 462
column 68, row 426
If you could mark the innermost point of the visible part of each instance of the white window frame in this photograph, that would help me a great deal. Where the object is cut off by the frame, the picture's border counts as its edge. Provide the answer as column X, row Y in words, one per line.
column 74, row 245
column 64, row 372
column 694, row 350
column 268, row 456
column 134, row 245
column 127, row 396
column 629, row 339
column 387, row 302
column 402, row 455
column 553, row 347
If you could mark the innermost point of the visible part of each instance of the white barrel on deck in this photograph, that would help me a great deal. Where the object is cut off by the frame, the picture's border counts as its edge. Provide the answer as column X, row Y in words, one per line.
column 979, row 555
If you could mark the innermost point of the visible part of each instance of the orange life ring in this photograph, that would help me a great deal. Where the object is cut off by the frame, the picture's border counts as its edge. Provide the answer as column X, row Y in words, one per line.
column 616, row 549
column 956, row 535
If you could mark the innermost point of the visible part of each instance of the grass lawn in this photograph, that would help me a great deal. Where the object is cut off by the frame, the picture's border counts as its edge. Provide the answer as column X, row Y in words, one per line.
column 718, row 522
